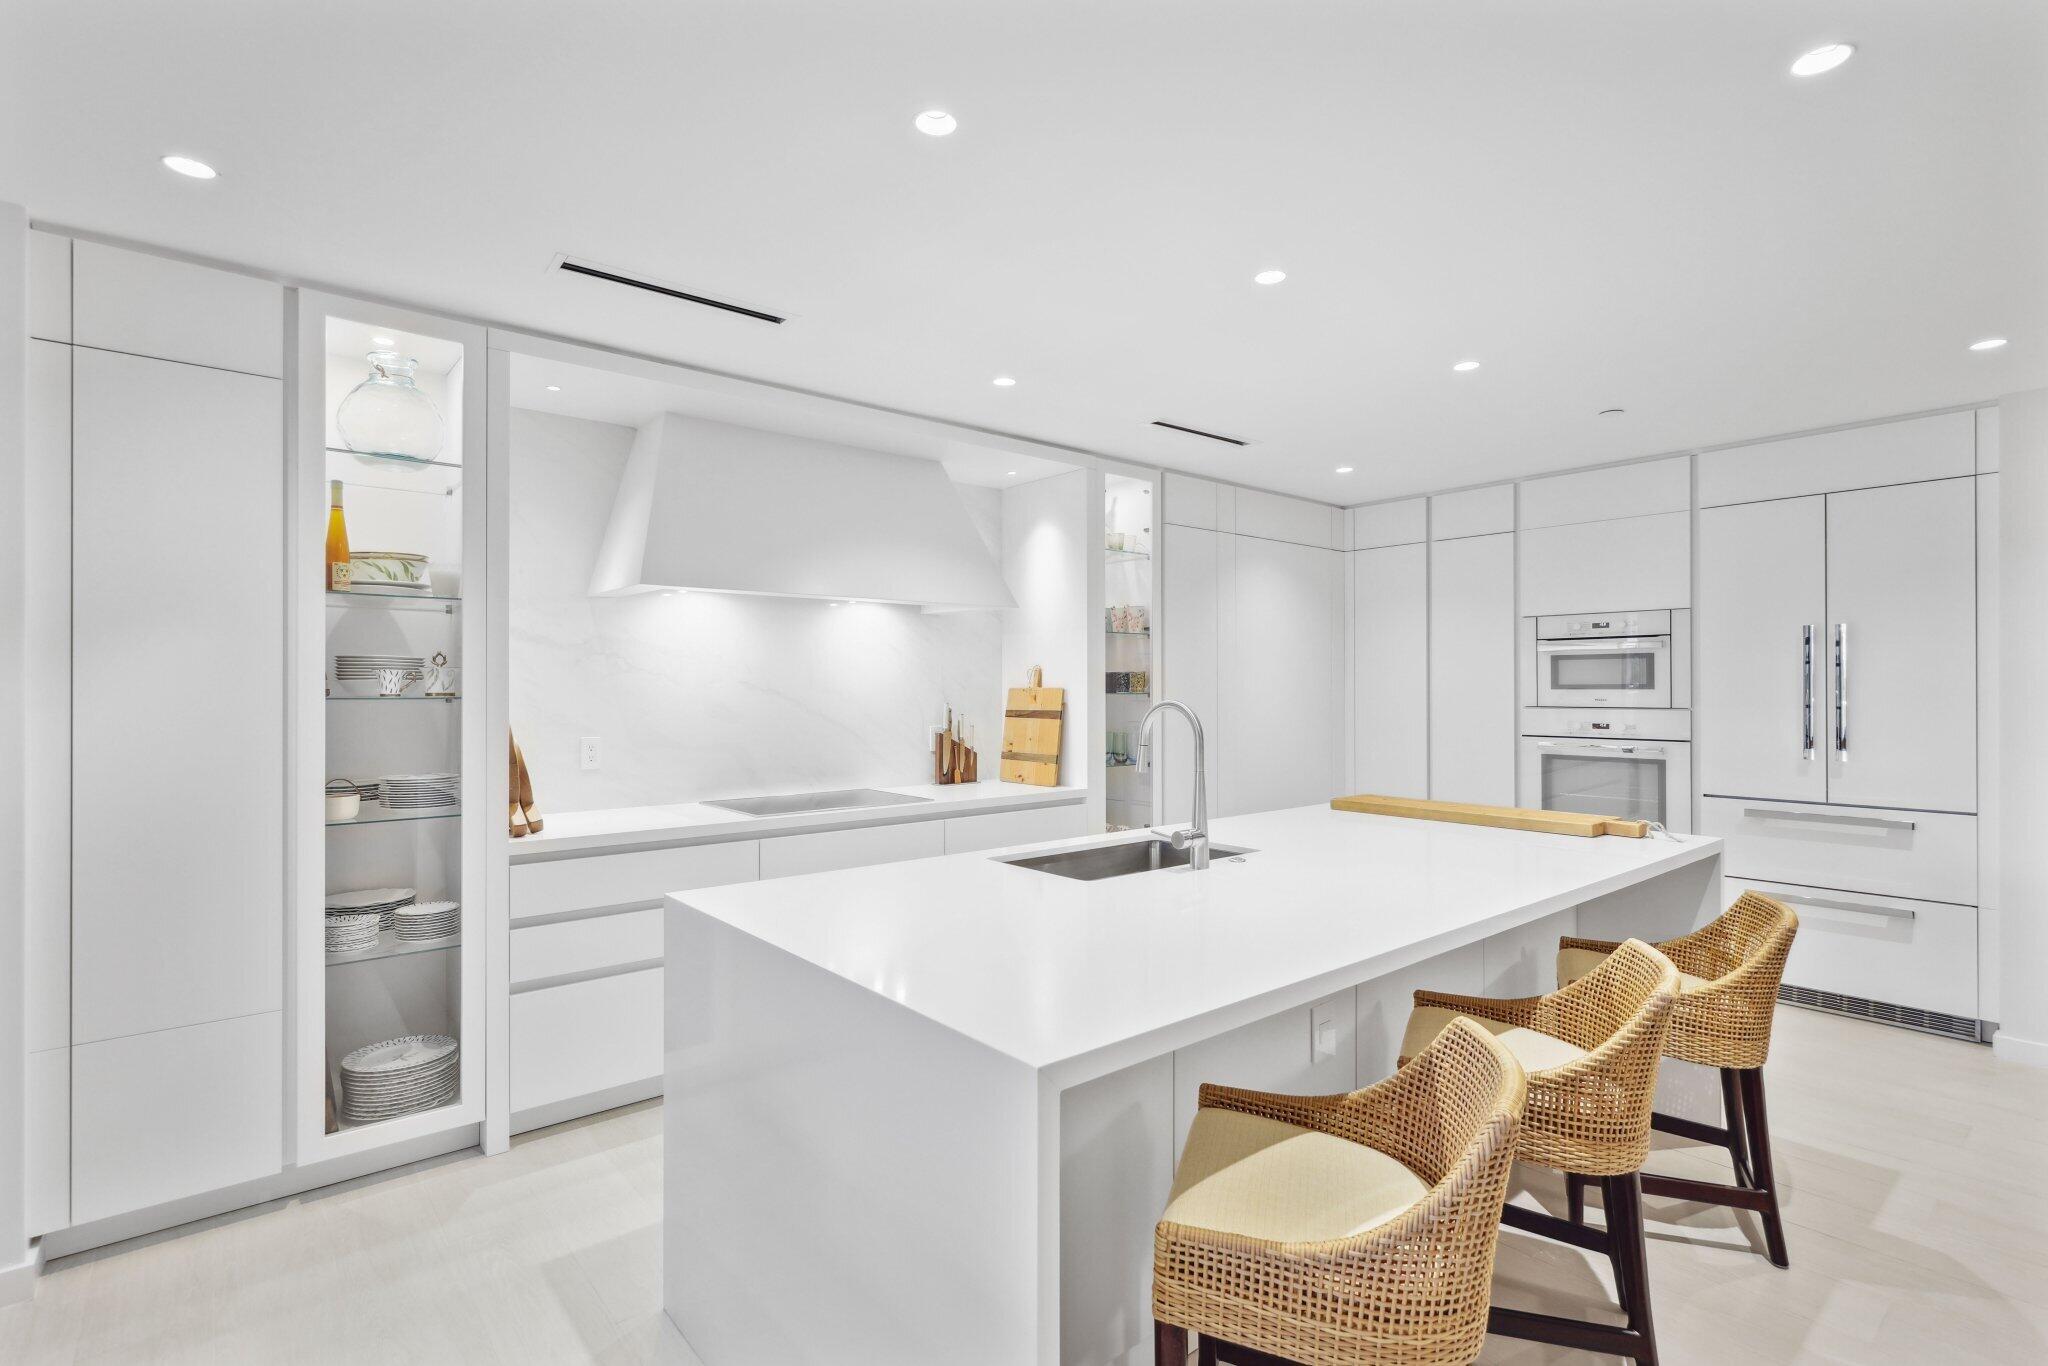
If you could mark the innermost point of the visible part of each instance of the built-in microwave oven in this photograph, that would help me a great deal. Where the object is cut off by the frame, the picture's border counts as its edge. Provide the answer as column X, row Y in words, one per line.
column 1605, row 659
column 1633, row 765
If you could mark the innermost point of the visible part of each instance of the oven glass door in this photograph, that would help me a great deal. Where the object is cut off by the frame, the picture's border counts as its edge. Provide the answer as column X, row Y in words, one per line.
column 1626, row 671
column 1627, row 782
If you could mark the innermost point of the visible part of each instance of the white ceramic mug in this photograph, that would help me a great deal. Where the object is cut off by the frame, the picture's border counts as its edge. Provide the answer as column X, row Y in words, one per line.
column 394, row 682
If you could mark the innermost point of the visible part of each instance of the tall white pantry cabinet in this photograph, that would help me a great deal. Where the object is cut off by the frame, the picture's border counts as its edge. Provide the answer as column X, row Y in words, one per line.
column 156, row 865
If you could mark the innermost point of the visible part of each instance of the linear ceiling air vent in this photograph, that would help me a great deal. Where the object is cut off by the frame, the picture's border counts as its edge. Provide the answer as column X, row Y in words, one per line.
column 597, row 272
column 1207, row 436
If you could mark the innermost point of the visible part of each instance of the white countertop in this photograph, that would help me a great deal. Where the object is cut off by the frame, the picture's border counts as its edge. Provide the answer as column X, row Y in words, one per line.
column 1076, row 978
column 697, row 823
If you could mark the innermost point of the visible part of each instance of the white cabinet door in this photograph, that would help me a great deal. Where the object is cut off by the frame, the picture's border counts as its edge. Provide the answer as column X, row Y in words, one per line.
column 1191, row 619
column 826, row 850
column 1625, row 564
column 46, row 1140
column 1902, row 565
column 1763, row 578
column 153, row 306
column 175, row 1112
column 177, row 847
column 1280, row 736
column 1390, row 670
column 49, row 286
column 1472, row 670
column 46, row 747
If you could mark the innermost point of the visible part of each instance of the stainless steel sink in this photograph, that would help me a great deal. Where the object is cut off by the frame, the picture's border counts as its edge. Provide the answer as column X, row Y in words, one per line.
column 796, row 803
column 1117, row 860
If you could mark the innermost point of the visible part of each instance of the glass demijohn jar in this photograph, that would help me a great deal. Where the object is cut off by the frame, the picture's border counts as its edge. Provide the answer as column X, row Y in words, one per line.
column 388, row 416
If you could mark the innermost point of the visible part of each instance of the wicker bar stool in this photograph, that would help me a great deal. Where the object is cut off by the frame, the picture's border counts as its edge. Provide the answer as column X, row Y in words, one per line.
column 1334, row 1230
column 1730, row 972
column 1591, row 1050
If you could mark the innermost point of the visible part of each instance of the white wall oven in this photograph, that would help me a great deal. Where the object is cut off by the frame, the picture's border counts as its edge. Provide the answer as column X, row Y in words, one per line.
column 1631, row 764
column 1606, row 659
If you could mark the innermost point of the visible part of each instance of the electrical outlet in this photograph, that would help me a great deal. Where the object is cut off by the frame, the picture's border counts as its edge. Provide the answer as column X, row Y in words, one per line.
column 586, row 752
column 1322, row 1033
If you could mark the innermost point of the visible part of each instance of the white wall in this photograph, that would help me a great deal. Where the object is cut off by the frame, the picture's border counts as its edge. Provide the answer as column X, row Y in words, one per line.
column 13, row 940
column 714, row 695
column 2022, row 722
column 1051, row 531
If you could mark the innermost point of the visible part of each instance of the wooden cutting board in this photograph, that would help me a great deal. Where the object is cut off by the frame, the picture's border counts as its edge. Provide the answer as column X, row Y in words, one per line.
column 1031, row 736
column 1500, row 817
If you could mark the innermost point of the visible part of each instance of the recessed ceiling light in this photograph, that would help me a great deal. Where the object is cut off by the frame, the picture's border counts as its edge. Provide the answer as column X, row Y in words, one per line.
column 554, row 388
column 1988, row 344
column 383, row 341
column 1823, row 59
column 1011, row 475
column 1269, row 277
column 1003, row 382
column 1464, row 365
column 936, row 122
column 198, row 170
column 1343, row 469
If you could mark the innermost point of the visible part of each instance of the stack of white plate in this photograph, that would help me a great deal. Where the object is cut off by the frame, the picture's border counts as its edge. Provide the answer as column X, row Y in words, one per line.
column 364, row 668
column 417, row 791
column 382, row 900
column 352, row 931
column 396, row 1077
column 429, row 920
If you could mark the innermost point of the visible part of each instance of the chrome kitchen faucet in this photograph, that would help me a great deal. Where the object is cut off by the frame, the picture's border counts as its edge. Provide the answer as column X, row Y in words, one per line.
column 1196, row 839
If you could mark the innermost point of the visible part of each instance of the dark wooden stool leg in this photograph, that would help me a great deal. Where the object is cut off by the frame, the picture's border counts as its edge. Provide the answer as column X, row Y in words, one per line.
column 1738, row 1143
column 1575, row 1197
column 1169, row 1344
column 1751, row 1083
column 1624, row 1196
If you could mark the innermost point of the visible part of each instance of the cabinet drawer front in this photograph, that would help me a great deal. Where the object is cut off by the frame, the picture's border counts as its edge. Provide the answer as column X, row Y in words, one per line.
column 1883, row 948
column 829, row 849
column 1929, row 855
column 628, row 879
column 563, row 947
column 585, row 1037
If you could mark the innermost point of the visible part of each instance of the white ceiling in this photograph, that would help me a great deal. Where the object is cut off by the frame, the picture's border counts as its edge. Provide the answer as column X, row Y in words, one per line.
column 1607, row 202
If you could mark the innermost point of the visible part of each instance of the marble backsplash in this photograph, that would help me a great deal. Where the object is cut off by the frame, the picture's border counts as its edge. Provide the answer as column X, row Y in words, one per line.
column 698, row 695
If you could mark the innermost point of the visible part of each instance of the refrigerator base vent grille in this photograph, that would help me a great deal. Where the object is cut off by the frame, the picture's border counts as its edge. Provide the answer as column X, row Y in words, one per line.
column 1884, row 1012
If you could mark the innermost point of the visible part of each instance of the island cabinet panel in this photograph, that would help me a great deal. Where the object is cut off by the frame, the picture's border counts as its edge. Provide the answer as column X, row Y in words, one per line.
column 1472, row 670
column 1385, row 1002
column 1117, row 1155
column 825, row 850
column 1390, row 671
column 1523, row 961
column 1310, row 1050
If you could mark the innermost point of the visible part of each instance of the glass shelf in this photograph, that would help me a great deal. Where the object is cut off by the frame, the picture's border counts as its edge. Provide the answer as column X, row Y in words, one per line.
column 1113, row 762
column 394, row 602
column 382, row 817
column 403, row 461
column 1146, row 634
column 389, row 945
column 1114, row 555
column 1126, row 694
column 381, row 698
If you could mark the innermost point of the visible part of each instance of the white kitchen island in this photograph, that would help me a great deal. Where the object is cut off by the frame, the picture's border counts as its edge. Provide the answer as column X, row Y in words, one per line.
column 928, row 1112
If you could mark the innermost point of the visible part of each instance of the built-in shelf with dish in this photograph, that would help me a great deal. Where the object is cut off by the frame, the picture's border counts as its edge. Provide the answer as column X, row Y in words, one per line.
column 390, row 429
column 1129, row 591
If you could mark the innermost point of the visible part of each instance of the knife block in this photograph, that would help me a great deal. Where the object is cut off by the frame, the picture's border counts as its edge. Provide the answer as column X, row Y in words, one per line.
column 953, row 761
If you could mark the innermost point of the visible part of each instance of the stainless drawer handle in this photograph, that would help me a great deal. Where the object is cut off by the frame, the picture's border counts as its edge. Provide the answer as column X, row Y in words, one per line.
column 1887, row 912
column 1877, row 822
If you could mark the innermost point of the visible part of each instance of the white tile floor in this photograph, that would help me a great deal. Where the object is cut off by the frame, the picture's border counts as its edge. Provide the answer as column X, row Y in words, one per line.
column 1916, row 1170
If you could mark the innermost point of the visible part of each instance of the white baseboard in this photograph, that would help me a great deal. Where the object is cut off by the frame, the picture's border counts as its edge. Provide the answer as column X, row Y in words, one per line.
column 18, row 1282
column 2027, row 1052
column 373, row 1164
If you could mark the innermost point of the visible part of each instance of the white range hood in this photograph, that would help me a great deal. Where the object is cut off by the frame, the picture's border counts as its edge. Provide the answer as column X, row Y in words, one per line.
column 708, row 505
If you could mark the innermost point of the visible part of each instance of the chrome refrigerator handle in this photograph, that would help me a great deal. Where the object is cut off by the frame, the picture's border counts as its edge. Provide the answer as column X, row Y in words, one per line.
column 1806, row 693
column 1842, row 691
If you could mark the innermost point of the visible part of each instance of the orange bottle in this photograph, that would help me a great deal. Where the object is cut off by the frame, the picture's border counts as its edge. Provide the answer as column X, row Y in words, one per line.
column 337, row 541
